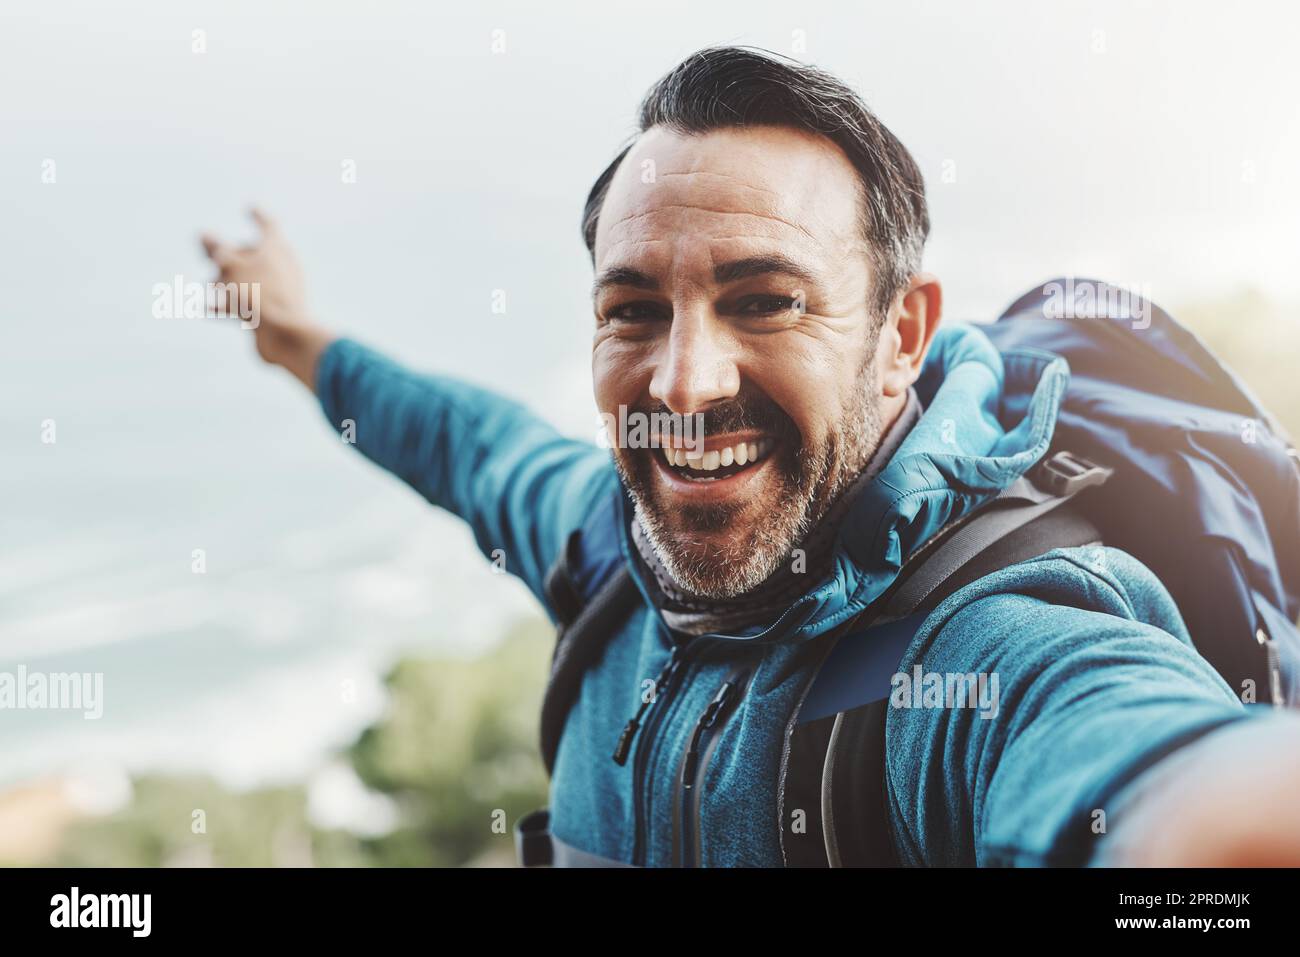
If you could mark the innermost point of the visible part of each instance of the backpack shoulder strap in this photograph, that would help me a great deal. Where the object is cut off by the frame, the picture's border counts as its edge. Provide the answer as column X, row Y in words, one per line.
column 591, row 592
column 835, row 760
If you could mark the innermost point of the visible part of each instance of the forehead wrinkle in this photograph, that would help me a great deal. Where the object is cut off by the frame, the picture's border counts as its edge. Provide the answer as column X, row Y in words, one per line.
column 780, row 198
column 789, row 168
column 633, row 217
column 772, row 213
column 727, row 176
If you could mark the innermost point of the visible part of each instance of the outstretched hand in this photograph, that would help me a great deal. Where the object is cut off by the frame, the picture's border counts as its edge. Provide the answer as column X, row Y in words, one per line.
column 284, row 331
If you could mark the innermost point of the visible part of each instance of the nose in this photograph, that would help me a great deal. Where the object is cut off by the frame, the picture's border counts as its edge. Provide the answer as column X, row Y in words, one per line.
column 696, row 367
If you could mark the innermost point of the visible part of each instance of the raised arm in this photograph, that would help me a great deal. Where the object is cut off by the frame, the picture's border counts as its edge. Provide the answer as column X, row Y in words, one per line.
column 284, row 329
column 520, row 485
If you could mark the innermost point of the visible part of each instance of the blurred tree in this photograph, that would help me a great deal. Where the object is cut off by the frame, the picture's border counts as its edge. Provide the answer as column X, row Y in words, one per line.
column 457, row 751
column 192, row 821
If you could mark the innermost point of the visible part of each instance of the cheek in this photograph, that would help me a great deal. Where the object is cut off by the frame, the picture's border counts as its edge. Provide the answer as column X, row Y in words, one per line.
column 805, row 389
column 618, row 376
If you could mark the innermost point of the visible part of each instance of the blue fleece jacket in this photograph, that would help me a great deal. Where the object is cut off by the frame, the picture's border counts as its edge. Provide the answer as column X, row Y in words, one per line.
column 1097, row 677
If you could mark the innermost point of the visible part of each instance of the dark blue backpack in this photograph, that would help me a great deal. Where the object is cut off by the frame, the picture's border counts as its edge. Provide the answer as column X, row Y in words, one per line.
column 1206, row 484
column 1182, row 468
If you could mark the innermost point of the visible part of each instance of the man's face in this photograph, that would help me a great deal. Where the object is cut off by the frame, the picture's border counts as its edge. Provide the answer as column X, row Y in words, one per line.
column 733, row 280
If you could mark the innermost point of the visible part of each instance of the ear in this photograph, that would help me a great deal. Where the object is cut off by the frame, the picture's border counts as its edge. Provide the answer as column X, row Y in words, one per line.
column 912, row 326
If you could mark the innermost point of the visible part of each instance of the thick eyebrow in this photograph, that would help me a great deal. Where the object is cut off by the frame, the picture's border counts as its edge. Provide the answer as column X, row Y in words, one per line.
column 623, row 276
column 724, row 273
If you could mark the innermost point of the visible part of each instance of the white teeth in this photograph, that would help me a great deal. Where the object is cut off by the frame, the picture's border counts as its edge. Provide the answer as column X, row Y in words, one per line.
column 743, row 453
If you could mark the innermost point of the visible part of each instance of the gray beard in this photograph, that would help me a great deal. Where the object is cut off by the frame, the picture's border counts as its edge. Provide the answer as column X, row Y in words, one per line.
column 752, row 555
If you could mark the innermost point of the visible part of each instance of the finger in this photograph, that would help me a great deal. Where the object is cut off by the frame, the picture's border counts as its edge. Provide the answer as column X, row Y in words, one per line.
column 264, row 222
column 218, row 252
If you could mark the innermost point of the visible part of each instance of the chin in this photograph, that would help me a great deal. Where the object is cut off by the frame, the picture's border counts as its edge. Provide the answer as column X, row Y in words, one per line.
column 720, row 539
column 717, row 565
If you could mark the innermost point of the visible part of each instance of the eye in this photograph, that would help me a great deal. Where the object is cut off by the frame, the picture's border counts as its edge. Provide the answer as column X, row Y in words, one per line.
column 764, row 305
column 638, row 311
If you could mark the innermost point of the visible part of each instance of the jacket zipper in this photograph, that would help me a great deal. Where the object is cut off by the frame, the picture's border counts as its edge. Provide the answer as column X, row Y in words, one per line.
column 1274, row 665
column 661, row 684
column 664, row 684
column 695, row 762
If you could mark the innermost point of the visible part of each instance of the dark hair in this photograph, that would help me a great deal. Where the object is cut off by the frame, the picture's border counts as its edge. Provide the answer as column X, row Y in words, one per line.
column 723, row 87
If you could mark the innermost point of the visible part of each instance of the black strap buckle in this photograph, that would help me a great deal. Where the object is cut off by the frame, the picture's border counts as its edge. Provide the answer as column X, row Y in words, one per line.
column 1064, row 474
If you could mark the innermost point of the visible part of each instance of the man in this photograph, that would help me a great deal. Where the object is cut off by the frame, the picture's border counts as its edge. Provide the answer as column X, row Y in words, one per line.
column 757, row 254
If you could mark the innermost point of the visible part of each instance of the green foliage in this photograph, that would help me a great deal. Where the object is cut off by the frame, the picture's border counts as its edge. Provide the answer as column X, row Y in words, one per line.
column 258, row 829
column 457, row 752
column 459, row 745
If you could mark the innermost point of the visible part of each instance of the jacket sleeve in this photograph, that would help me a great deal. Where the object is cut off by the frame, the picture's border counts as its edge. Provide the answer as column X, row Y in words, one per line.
column 1096, row 681
column 519, row 484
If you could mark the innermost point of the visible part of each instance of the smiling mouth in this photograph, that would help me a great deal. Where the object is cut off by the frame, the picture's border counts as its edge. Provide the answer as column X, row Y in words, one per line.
column 715, row 464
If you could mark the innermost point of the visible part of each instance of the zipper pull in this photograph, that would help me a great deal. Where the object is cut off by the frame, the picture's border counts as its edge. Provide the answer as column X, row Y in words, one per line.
column 1274, row 667
column 707, row 720
column 624, row 746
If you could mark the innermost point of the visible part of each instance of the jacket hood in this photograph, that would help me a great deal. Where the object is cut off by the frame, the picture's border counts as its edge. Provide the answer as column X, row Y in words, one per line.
column 989, row 416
